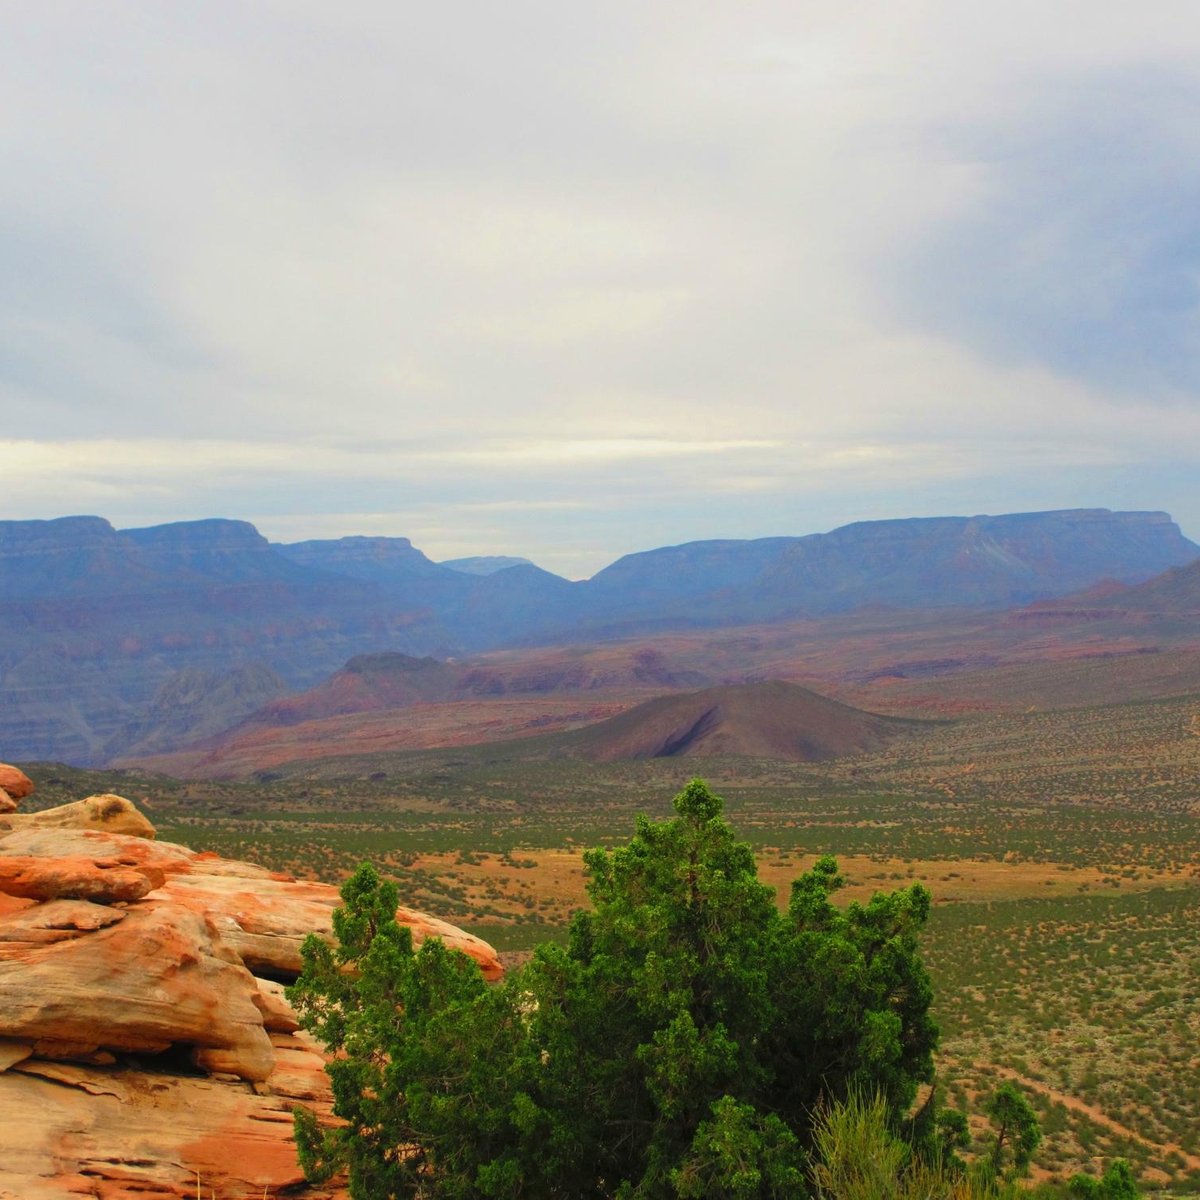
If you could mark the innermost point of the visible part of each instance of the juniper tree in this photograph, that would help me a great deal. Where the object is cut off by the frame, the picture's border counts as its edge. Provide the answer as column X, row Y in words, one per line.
column 679, row 1044
column 1018, row 1132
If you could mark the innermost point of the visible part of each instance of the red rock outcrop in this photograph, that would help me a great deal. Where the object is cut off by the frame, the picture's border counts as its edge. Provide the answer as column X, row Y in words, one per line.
column 140, row 1056
column 159, row 977
column 15, row 782
column 103, row 880
column 263, row 915
column 7, row 803
column 127, row 1132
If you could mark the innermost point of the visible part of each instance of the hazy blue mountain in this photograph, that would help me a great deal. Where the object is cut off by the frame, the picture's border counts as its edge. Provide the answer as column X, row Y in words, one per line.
column 193, row 704
column 385, row 560
column 96, row 623
column 476, row 609
column 990, row 562
column 484, row 564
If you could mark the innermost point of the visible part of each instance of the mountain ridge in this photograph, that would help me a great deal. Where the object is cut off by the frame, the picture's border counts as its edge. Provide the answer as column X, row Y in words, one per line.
column 96, row 621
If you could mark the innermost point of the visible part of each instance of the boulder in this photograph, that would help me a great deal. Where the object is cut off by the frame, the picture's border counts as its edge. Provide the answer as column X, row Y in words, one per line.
column 103, row 880
column 113, row 814
column 278, row 1015
column 263, row 915
column 15, row 782
column 42, row 842
column 13, row 1052
column 7, row 803
column 107, row 813
column 424, row 926
column 157, row 978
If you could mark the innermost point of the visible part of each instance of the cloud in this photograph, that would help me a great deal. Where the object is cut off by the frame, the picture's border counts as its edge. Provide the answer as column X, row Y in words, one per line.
column 570, row 280
column 1080, row 248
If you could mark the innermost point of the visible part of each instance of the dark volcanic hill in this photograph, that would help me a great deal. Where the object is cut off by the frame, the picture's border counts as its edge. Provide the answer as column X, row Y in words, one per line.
column 96, row 622
column 762, row 720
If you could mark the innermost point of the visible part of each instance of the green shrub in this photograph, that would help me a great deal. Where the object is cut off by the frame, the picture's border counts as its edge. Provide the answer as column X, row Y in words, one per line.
column 679, row 1045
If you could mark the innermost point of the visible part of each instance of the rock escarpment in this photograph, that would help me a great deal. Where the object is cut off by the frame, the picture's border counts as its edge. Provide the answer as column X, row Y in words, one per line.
column 145, row 1041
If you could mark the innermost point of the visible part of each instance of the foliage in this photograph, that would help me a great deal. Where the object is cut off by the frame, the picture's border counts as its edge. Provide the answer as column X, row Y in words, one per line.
column 679, row 1045
column 952, row 1133
column 859, row 1157
column 413, row 1038
column 1017, row 1131
column 1117, row 1183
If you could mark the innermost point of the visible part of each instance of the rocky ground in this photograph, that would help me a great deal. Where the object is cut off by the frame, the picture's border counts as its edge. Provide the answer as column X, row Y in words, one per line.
column 146, row 1047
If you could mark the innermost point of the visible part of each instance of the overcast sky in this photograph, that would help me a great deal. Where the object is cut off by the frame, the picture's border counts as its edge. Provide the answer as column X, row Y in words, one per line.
column 573, row 279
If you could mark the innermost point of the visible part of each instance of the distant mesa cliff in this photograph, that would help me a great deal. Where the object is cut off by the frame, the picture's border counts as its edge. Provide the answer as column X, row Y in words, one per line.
column 102, row 630
column 987, row 562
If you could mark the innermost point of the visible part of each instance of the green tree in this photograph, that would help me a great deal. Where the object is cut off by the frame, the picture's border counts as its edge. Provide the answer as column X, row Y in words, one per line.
column 1017, row 1131
column 678, row 1045
column 414, row 1038
column 1117, row 1183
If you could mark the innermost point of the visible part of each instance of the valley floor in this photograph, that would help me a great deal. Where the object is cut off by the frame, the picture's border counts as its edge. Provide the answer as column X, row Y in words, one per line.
column 1062, row 849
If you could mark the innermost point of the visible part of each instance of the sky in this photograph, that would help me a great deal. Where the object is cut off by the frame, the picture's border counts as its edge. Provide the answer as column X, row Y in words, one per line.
column 573, row 280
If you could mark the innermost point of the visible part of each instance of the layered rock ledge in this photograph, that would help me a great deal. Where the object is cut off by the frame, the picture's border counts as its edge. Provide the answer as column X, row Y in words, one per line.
column 146, row 1046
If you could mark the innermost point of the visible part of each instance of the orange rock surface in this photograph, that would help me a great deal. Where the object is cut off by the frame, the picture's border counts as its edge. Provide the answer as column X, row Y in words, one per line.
column 141, row 1055
column 15, row 782
column 103, row 880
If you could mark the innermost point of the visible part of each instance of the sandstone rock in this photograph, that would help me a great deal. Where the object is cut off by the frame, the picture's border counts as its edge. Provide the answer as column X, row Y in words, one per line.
column 266, row 920
column 57, row 1048
column 278, row 1014
column 56, row 921
column 113, row 814
column 263, row 915
column 157, row 978
column 84, row 985
column 11, row 904
column 7, row 803
column 424, row 926
column 42, row 842
column 71, row 1131
column 13, row 1052
column 104, row 880
column 15, row 782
